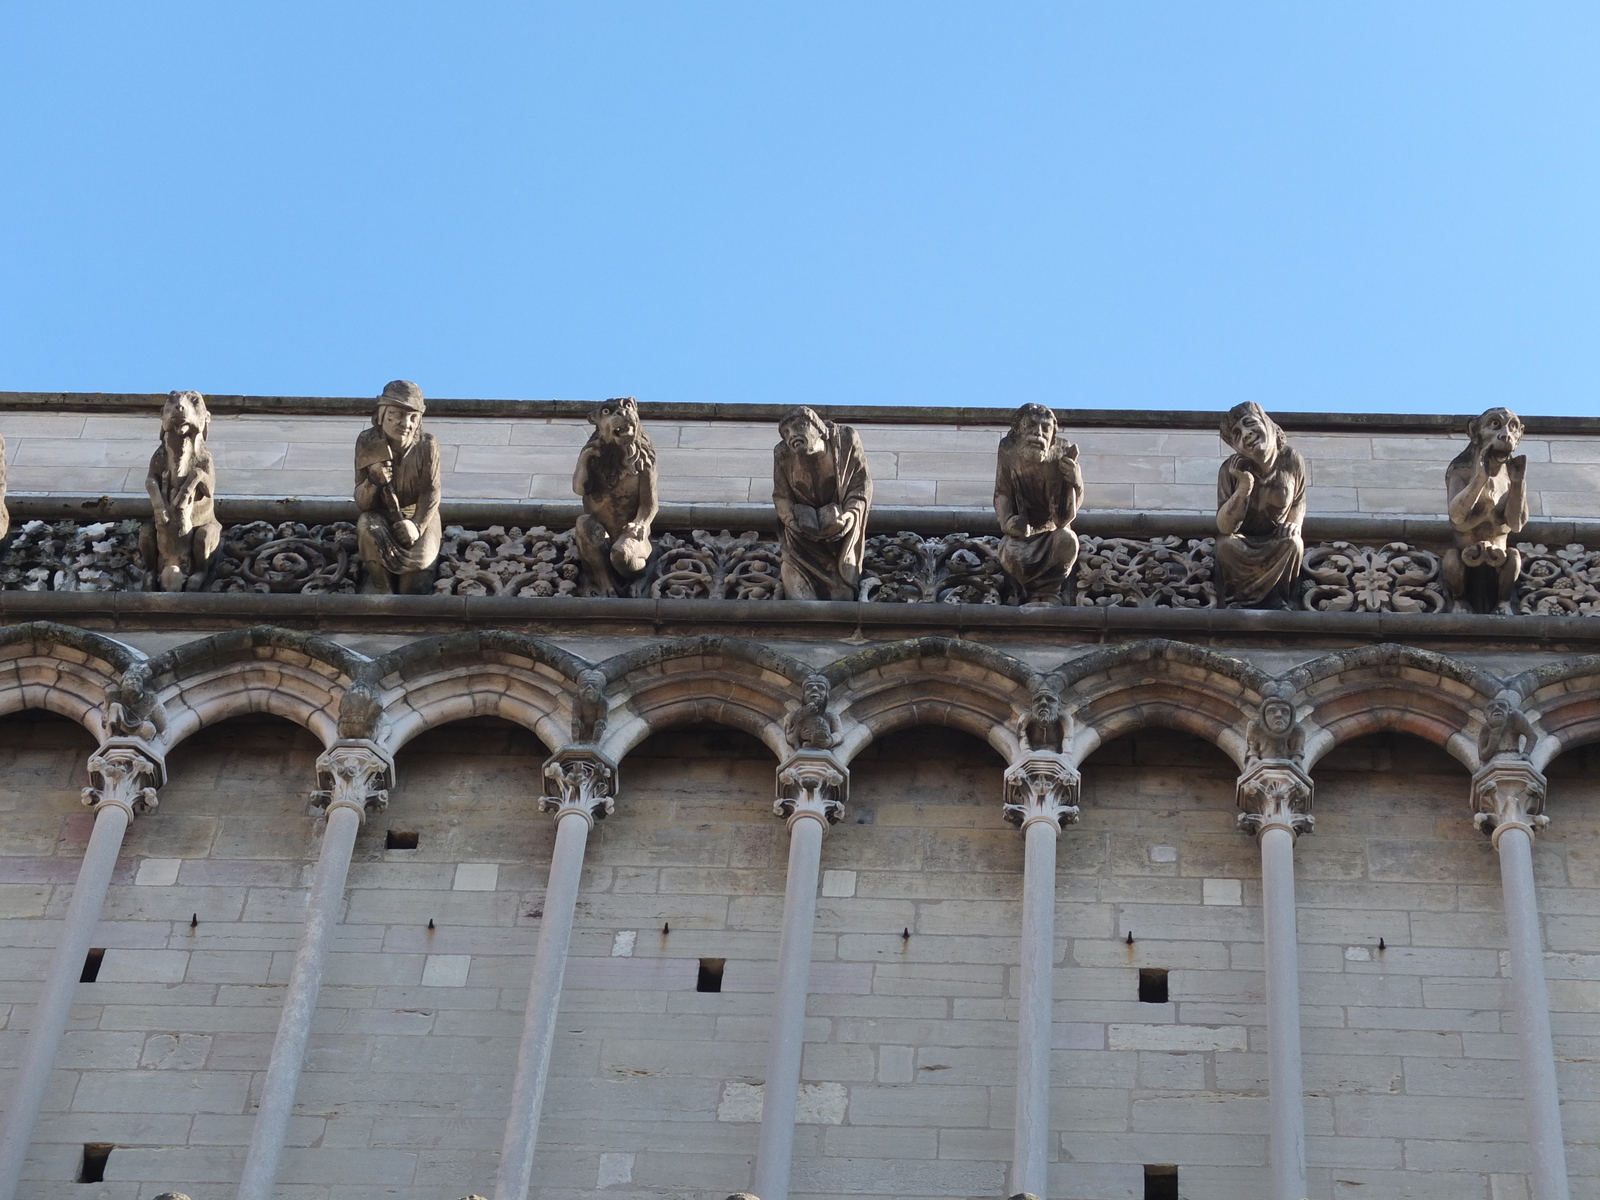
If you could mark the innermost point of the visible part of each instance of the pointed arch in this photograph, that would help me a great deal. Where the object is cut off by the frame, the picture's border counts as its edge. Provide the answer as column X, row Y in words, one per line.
column 1563, row 701
column 436, row 680
column 931, row 681
column 61, row 669
column 1390, row 687
column 1174, row 685
column 722, row 680
column 263, row 669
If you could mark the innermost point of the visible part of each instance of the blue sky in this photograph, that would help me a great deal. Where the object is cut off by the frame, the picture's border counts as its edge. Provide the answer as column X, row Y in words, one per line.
column 1319, row 206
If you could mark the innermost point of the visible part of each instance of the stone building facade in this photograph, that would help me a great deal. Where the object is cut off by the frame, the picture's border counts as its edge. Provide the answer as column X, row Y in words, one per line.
column 981, row 965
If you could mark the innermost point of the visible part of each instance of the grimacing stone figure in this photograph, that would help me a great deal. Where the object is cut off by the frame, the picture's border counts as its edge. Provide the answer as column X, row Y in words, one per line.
column 397, row 490
column 1037, row 490
column 616, row 476
column 1487, row 488
column 1261, row 506
column 812, row 726
column 183, row 533
column 822, row 492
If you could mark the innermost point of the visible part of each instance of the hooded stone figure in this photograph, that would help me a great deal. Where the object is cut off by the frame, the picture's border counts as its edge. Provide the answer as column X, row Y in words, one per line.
column 397, row 490
column 822, row 492
column 1261, row 505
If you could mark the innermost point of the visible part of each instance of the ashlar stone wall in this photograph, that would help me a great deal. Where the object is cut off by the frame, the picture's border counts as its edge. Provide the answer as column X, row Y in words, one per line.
column 1411, row 1066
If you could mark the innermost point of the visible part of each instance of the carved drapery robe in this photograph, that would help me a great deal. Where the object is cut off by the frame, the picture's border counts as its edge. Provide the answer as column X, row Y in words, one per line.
column 416, row 486
column 814, row 567
column 1047, row 498
column 1265, row 552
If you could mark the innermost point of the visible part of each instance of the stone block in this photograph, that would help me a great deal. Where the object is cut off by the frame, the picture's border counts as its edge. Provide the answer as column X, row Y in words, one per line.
column 446, row 970
column 1174, row 1038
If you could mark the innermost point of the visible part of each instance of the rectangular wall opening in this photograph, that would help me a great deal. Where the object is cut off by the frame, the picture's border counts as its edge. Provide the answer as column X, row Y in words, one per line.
column 1153, row 987
column 400, row 839
column 91, row 965
column 1160, row 1181
column 95, row 1155
column 710, row 979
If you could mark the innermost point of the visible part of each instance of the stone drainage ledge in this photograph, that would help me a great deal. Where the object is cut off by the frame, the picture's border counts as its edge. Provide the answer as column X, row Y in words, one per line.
column 566, row 615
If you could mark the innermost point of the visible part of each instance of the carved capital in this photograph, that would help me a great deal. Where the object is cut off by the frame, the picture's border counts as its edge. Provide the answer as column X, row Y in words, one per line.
column 812, row 783
column 1508, row 793
column 581, row 780
column 125, row 773
column 1042, row 786
column 353, row 773
column 1275, row 792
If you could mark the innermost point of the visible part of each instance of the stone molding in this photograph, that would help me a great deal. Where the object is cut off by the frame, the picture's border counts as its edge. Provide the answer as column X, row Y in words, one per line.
column 118, row 774
column 354, row 773
column 1043, row 786
column 1275, row 793
column 580, row 780
column 814, row 784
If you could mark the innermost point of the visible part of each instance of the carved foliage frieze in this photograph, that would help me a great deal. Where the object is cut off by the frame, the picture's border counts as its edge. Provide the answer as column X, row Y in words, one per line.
column 289, row 557
column 68, row 557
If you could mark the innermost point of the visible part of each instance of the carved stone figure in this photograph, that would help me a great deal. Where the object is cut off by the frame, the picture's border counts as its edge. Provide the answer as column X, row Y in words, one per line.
column 1273, row 732
column 1488, row 493
column 616, row 476
column 397, row 490
column 182, row 536
column 1261, row 506
column 812, row 726
column 5, row 516
column 590, row 709
column 1037, row 490
column 822, row 492
column 1506, row 730
column 1044, row 725
column 131, row 711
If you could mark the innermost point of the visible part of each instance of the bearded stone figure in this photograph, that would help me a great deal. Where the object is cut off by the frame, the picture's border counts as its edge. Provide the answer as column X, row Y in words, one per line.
column 397, row 490
column 1261, row 506
column 1037, row 490
column 182, row 536
column 616, row 476
column 822, row 492
column 1487, row 488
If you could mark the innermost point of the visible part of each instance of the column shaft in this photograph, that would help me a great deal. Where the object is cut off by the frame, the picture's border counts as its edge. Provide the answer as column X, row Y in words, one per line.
column 299, row 1005
column 51, row 1013
column 1547, row 1150
column 776, row 1147
column 544, row 1001
column 1284, row 1062
column 1030, row 1166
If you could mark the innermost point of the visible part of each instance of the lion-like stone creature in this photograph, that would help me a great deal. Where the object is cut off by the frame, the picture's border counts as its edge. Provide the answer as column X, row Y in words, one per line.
column 822, row 492
column 812, row 726
column 1488, row 495
column 181, row 539
column 1261, row 507
column 1037, row 490
column 616, row 476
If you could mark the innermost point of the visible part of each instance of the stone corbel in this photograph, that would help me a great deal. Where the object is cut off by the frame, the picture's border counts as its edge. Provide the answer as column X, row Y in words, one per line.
column 1042, row 786
column 353, row 773
column 125, row 773
column 580, row 779
column 812, row 783
column 1275, row 792
column 1508, row 793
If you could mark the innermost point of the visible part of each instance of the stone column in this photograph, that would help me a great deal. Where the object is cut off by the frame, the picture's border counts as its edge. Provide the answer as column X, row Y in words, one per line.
column 582, row 787
column 121, row 773
column 1041, row 800
column 1276, row 797
column 812, row 787
column 1508, row 794
column 354, row 775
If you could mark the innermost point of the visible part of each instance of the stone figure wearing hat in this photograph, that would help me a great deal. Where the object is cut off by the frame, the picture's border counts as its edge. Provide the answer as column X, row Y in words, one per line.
column 1261, row 506
column 397, row 490
column 822, row 492
column 1037, row 490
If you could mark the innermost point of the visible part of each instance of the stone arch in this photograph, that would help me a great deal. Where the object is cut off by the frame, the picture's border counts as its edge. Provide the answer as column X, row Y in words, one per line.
column 437, row 680
column 263, row 669
column 61, row 669
column 1563, row 701
column 1120, row 689
column 719, row 680
column 969, row 686
column 1390, row 687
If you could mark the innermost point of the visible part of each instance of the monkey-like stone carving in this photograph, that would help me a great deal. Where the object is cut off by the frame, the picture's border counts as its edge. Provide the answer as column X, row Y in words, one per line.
column 397, row 490
column 182, row 536
column 1037, row 490
column 616, row 476
column 1488, row 495
column 822, row 491
column 1261, row 506
column 1273, row 733
column 589, row 710
column 1506, row 730
column 1044, row 725
column 812, row 726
